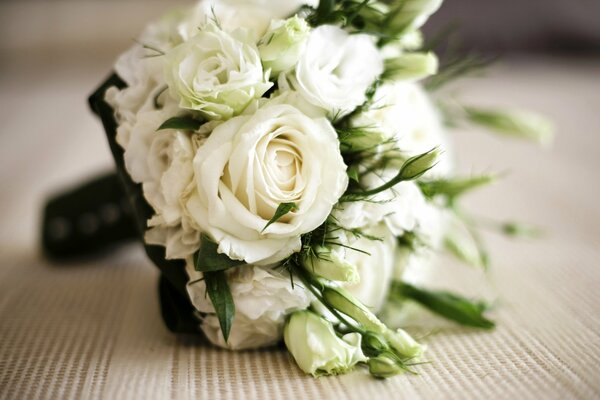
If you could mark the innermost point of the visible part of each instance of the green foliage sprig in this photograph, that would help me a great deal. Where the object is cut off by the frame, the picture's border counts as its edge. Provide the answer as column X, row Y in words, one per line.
column 446, row 304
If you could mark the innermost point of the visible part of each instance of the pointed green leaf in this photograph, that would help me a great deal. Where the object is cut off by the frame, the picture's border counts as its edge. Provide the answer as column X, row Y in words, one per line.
column 353, row 173
column 446, row 304
column 282, row 210
column 221, row 298
column 181, row 123
column 207, row 259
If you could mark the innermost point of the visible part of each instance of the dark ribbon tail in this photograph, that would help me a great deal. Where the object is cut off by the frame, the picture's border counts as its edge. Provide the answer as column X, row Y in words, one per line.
column 176, row 309
column 88, row 219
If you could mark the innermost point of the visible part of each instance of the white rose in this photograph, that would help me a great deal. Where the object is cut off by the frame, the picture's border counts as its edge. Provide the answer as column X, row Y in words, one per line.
column 216, row 73
column 250, row 165
column 317, row 349
column 375, row 263
column 336, row 69
column 263, row 298
column 403, row 111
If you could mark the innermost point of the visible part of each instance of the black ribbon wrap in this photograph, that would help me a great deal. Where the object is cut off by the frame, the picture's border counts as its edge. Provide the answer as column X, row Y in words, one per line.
column 109, row 211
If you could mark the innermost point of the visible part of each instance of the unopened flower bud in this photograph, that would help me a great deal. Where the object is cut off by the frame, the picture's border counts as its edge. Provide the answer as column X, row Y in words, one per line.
column 281, row 46
column 343, row 301
column 410, row 66
column 518, row 123
column 409, row 15
column 375, row 342
column 317, row 349
column 404, row 344
column 383, row 366
column 329, row 263
column 416, row 166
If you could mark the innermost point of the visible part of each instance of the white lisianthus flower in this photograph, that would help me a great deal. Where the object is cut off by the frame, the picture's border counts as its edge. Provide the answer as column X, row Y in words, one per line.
column 278, row 9
column 400, row 207
column 253, row 15
column 263, row 298
column 375, row 264
column 403, row 112
column 180, row 241
column 316, row 348
column 141, row 68
column 162, row 161
column 250, row 165
column 336, row 69
column 216, row 73
column 281, row 46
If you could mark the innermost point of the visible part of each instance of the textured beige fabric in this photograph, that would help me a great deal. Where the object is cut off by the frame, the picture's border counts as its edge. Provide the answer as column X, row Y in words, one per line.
column 93, row 329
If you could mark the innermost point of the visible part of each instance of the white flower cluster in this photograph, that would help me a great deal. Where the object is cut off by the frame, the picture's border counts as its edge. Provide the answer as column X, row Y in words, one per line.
column 253, row 93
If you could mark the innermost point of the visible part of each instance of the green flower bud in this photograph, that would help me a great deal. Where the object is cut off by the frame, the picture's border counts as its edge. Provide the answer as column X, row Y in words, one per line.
column 416, row 166
column 383, row 366
column 363, row 138
column 375, row 342
column 409, row 15
column 410, row 66
column 403, row 344
column 343, row 301
column 516, row 229
column 329, row 263
column 317, row 349
column 281, row 46
column 518, row 123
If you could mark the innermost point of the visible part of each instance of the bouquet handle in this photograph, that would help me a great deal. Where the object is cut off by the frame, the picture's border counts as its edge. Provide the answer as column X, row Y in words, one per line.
column 88, row 219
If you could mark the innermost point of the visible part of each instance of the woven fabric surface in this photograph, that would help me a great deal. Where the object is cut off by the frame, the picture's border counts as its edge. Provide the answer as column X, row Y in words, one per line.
column 92, row 329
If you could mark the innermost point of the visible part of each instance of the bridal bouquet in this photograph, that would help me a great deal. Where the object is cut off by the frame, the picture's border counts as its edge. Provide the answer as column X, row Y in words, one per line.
column 291, row 172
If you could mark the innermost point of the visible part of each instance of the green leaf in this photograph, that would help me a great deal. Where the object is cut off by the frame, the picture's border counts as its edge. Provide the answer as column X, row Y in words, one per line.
column 181, row 123
column 220, row 296
column 353, row 173
column 324, row 8
column 207, row 259
column 282, row 210
column 448, row 305
column 454, row 187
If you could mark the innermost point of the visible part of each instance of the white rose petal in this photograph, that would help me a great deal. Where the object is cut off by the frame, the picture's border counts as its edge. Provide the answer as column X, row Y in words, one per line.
column 250, row 165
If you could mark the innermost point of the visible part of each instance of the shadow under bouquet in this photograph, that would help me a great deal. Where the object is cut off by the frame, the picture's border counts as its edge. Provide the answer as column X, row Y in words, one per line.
column 288, row 168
